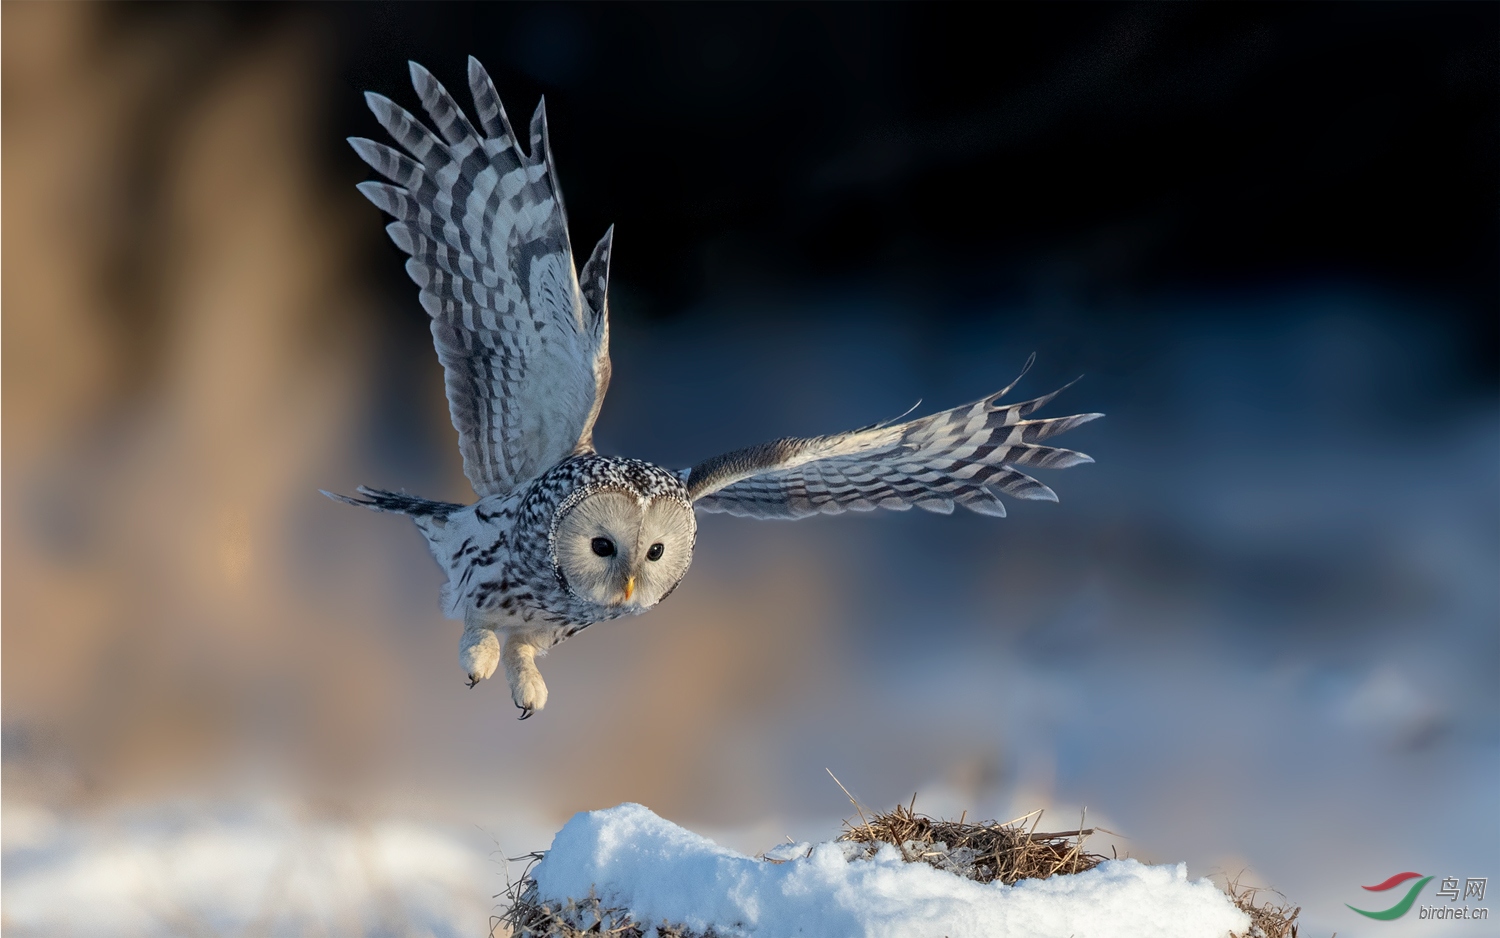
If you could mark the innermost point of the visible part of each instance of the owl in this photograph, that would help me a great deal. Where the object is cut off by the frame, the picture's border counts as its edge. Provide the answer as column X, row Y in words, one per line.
column 562, row 537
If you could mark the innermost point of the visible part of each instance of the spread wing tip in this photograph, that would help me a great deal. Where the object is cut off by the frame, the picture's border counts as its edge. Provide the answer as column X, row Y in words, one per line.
column 396, row 503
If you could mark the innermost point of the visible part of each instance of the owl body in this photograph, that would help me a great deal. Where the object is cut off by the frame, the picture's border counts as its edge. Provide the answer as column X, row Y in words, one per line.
column 562, row 537
column 594, row 538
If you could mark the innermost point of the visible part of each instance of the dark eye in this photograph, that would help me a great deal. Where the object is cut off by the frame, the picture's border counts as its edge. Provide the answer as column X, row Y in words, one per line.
column 603, row 546
column 655, row 552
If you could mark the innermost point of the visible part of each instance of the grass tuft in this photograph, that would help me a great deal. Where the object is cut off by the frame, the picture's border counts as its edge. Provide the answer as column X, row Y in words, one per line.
column 984, row 852
column 1268, row 918
column 530, row 917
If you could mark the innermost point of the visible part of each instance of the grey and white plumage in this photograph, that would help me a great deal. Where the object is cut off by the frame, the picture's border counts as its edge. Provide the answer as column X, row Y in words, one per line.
column 561, row 536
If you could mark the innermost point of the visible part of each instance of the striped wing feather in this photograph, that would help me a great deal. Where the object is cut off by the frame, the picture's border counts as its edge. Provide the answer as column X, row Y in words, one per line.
column 524, row 341
column 965, row 456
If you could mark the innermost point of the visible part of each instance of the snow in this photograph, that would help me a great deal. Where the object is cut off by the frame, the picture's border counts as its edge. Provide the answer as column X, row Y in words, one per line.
column 264, row 869
column 240, row 869
column 633, row 859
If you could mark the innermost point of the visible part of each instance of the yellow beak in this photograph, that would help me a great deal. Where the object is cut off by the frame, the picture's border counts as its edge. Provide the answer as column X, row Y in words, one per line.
column 629, row 588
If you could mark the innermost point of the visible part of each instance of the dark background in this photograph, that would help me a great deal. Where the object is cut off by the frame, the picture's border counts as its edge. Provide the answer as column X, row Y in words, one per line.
column 1065, row 155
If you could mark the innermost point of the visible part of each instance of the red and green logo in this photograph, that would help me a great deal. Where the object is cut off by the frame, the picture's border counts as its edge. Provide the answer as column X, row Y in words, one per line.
column 1402, row 907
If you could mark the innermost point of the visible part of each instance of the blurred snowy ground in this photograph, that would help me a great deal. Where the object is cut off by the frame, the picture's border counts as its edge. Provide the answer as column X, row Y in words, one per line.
column 247, row 869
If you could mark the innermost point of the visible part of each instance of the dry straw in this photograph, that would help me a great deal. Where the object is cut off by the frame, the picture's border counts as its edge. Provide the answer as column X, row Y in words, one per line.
column 1269, row 918
column 985, row 851
column 529, row 916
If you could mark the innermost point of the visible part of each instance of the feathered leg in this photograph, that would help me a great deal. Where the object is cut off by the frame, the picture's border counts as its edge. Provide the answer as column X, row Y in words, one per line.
column 478, row 650
column 527, row 688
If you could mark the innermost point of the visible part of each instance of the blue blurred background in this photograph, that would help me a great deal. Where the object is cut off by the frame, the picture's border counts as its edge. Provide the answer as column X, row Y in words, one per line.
column 1262, row 634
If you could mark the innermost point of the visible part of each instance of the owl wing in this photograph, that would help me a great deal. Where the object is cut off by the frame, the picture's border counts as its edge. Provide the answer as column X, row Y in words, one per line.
column 523, row 339
column 963, row 456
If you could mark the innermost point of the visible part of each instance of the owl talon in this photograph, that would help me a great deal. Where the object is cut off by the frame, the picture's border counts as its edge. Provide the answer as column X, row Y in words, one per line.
column 526, row 713
column 473, row 682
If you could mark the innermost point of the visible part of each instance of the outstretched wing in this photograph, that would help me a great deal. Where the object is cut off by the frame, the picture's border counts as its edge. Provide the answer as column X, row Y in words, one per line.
column 524, row 341
column 963, row 456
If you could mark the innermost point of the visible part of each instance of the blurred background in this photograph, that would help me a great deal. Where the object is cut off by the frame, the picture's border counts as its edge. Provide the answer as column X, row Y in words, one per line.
column 1261, row 635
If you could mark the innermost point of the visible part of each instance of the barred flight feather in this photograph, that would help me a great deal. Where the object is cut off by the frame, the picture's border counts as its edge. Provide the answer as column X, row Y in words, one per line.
column 963, row 456
column 524, row 344
column 398, row 503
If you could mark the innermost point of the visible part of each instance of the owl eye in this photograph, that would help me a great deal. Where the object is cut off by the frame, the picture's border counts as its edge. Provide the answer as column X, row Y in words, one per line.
column 603, row 546
column 655, row 552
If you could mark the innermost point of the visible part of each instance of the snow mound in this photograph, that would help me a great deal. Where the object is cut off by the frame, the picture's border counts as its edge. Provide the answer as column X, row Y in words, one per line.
column 661, row 873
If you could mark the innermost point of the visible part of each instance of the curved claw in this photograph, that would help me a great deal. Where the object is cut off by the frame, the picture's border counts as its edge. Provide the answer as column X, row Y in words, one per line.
column 473, row 682
column 526, row 713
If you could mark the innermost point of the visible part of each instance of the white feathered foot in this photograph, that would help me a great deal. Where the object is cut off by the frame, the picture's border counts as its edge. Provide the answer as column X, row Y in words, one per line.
column 478, row 653
column 527, row 688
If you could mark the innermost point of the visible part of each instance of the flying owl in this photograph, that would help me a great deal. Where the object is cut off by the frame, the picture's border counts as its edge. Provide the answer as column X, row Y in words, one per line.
column 561, row 536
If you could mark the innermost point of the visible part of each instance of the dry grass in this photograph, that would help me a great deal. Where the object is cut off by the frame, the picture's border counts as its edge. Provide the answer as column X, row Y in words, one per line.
column 531, row 917
column 1268, row 918
column 984, row 852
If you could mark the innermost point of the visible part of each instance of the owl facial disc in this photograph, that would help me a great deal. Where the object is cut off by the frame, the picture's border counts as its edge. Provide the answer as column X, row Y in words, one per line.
column 623, row 551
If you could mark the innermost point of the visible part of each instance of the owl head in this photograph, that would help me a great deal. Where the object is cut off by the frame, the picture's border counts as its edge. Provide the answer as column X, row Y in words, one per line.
column 621, row 549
